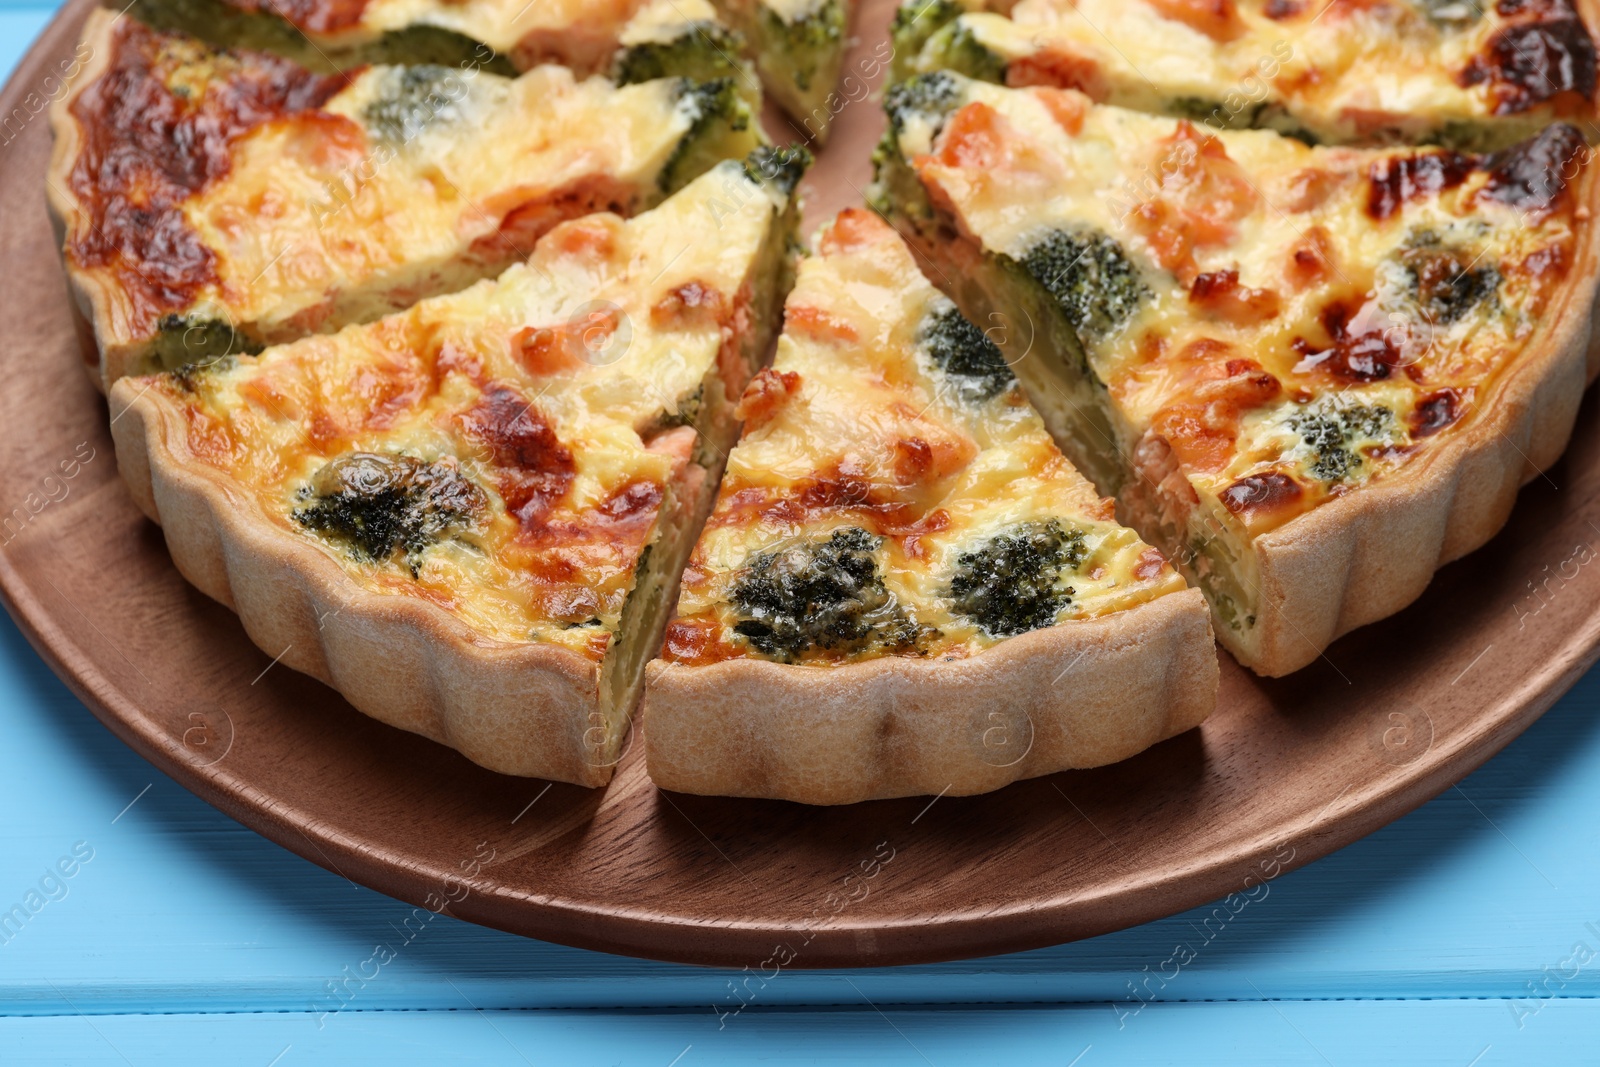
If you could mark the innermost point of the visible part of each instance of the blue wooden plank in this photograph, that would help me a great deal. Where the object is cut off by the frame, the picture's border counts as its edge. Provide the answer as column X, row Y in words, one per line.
column 1290, row 1034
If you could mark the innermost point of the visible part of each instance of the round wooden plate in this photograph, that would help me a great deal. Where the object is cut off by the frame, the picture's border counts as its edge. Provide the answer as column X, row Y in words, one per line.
column 1285, row 772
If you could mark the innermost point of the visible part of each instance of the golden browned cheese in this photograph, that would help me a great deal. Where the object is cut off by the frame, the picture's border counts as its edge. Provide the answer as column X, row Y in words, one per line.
column 232, row 191
column 1290, row 322
column 890, row 462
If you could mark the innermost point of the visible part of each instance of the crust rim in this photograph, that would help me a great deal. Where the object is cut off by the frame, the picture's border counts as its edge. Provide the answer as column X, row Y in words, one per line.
column 92, row 298
column 895, row 727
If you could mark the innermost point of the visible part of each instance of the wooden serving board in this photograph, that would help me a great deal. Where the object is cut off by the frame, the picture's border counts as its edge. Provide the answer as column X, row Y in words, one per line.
column 1285, row 772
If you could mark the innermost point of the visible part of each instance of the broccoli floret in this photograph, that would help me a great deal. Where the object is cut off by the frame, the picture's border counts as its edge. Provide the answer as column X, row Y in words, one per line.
column 1452, row 14
column 1090, row 276
column 821, row 596
column 915, row 21
column 715, row 109
column 190, row 344
column 703, row 51
column 977, row 369
column 381, row 504
column 807, row 42
column 782, row 168
column 1011, row 584
column 930, row 96
column 1445, row 283
column 413, row 98
column 1331, row 431
column 957, row 48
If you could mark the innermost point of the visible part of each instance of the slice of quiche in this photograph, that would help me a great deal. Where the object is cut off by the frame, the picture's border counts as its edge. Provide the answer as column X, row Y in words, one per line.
column 218, row 201
column 904, row 587
column 1311, row 375
column 798, row 45
column 1461, row 73
column 468, row 517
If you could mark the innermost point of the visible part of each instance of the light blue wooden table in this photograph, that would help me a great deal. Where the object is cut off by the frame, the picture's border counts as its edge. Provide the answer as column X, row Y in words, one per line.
column 1466, row 934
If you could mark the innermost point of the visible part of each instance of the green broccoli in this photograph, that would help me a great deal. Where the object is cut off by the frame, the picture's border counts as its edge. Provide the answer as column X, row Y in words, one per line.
column 1452, row 14
column 719, row 128
column 413, row 98
column 821, row 596
column 378, row 505
column 957, row 48
column 807, row 44
column 1445, row 283
column 1331, row 432
column 927, row 96
column 701, row 51
column 782, row 168
column 1091, row 277
column 965, row 354
column 1012, row 583
column 190, row 344
column 915, row 21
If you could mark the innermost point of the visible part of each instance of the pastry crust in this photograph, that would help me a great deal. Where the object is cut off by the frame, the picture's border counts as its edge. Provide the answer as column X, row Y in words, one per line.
column 92, row 298
column 1370, row 553
column 1079, row 694
column 405, row 662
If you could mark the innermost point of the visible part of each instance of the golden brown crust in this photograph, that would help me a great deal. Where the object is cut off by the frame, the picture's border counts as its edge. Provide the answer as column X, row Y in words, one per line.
column 1081, row 694
column 96, row 301
column 1368, row 554
column 523, row 709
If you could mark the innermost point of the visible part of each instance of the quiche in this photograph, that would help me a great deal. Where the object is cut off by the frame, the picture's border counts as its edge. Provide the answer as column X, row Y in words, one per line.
column 797, row 44
column 1310, row 375
column 467, row 517
column 904, row 587
column 216, row 201
column 1460, row 73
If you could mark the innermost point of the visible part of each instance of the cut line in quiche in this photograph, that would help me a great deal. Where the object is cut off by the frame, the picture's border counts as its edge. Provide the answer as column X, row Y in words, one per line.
column 1469, row 74
column 798, row 45
column 904, row 587
column 468, row 517
column 1311, row 376
column 214, row 202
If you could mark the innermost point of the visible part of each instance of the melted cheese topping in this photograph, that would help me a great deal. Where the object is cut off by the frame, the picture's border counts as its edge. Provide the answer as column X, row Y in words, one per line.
column 277, row 203
column 1307, row 319
column 321, row 222
column 565, row 392
column 1346, row 70
column 858, row 427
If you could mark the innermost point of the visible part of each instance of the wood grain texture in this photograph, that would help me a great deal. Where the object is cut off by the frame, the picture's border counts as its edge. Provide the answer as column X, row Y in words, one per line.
column 1285, row 772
